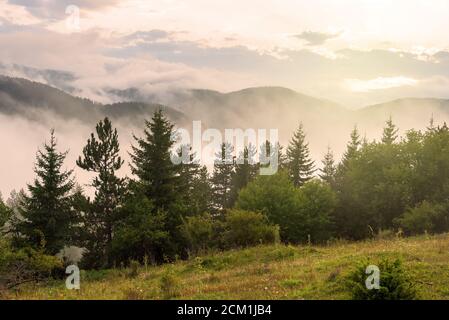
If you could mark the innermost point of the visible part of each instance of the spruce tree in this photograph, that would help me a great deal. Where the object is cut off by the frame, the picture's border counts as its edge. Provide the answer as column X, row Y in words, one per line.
column 390, row 132
column 352, row 149
column 5, row 214
column 193, row 185
column 152, row 164
column 329, row 169
column 268, row 151
column 299, row 164
column 246, row 169
column 159, row 179
column 47, row 215
column 222, row 178
column 101, row 155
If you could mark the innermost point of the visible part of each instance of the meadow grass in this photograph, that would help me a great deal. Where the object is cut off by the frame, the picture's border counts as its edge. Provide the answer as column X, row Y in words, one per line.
column 263, row 272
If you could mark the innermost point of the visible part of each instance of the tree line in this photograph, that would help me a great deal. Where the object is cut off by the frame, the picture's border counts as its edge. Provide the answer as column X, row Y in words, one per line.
column 169, row 211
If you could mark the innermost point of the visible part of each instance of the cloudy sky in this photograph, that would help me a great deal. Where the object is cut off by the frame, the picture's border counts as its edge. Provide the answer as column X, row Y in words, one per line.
column 355, row 52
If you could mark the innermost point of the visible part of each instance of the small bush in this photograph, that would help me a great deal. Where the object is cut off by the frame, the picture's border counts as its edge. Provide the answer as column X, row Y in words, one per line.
column 25, row 265
column 198, row 232
column 246, row 228
column 170, row 286
column 395, row 283
column 426, row 217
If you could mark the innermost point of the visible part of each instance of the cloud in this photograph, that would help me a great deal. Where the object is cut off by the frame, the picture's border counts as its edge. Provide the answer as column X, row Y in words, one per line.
column 313, row 38
column 379, row 83
column 51, row 9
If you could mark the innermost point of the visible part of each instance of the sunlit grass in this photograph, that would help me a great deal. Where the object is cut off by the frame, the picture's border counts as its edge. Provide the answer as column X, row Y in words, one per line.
column 265, row 272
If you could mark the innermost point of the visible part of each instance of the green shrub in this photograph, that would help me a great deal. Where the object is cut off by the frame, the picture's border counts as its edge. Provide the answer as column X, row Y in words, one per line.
column 198, row 232
column 426, row 217
column 301, row 213
column 246, row 228
column 395, row 283
column 25, row 265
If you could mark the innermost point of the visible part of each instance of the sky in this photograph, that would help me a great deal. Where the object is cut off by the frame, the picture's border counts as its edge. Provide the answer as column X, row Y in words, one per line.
column 354, row 52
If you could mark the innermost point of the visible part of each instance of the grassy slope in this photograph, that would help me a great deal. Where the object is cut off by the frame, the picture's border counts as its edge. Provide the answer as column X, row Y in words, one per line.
column 265, row 272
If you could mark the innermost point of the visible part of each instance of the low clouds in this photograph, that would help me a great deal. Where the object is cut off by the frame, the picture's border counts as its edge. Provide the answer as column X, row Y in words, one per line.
column 380, row 83
column 313, row 38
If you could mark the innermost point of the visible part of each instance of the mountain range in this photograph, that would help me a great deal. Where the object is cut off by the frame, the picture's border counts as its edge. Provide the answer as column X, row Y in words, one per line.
column 262, row 107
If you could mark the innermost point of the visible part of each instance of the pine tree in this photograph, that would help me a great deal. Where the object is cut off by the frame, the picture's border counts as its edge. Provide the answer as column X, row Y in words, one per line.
column 299, row 164
column 352, row 149
column 246, row 169
column 152, row 164
column 194, row 185
column 101, row 155
column 267, row 151
column 222, row 178
column 46, row 211
column 390, row 132
column 329, row 170
column 159, row 179
column 5, row 214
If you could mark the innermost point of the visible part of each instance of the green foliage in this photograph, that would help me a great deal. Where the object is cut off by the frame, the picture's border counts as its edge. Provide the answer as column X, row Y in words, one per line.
column 47, row 213
column 199, row 232
column 245, row 228
column 222, row 178
column 160, row 181
column 395, row 283
column 298, row 212
column 316, row 205
column 390, row 133
column 373, row 190
column 194, row 187
column 328, row 171
column 300, row 166
column 425, row 217
column 101, row 156
column 276, row 197
column 246, row 169
column 151, row 162
column 24, row 265
column 141, row 233
column 5, row 214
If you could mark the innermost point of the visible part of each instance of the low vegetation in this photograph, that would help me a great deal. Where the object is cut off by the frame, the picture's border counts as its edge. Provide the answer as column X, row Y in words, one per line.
column 267, row 272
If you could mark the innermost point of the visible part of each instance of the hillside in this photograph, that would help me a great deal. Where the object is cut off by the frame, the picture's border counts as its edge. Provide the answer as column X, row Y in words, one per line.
column 35, row 101
column 408, row 112
column 266, row 272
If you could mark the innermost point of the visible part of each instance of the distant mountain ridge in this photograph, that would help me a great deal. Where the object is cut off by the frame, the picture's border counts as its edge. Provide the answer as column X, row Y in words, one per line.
column 29, row 99
column 261, row 107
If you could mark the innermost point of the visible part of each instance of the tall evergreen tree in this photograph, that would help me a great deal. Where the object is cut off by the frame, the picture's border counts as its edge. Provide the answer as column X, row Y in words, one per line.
column 101, row 155
column 47, row 210
column 5, row 214
column 246, row 169
column 152, row 164
column 267, row 151
column 390, row 132
column 329, row 169
column 222, row 178
column 352, row 148
column 299, row 164
column 194, row 185
column 159, row 180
